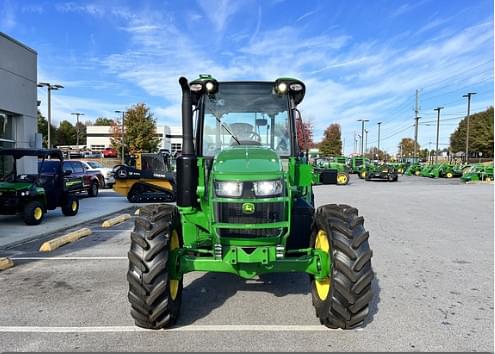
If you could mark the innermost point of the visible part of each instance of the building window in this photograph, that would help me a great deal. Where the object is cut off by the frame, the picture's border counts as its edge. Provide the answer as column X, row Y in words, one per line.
column 176, row 147
column 97, row 147
column 7, row 130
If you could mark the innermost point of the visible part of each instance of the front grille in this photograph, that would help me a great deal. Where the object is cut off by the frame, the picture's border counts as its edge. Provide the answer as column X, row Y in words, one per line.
column 231, row 213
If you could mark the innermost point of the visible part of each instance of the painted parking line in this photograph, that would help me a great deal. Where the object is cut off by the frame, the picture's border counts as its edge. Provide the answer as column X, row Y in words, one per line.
column 193, row 328
column 66, row 258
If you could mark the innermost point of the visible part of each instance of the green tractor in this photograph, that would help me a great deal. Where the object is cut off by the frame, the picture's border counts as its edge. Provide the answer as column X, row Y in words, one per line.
column 414, row 169
column 477, row 173
column 444, row 170
column 357, row 162
column 379, row 171
column 245, row 206
column 32, row 195
column 330, row 171
column 399, row 167
column 425, row 171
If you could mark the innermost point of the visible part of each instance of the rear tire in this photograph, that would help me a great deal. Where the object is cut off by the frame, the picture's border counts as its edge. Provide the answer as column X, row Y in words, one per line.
column 349, row 290
column 33, row 213
column 71, row 206
column 342, row 178
column 93, row 189
column 155, row 298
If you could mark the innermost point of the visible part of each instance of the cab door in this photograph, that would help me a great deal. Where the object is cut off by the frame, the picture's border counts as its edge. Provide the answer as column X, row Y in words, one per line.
column 74, row 180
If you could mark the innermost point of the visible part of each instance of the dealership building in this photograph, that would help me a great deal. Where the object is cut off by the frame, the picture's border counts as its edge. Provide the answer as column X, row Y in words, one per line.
column 18, row 99
column 98, row 137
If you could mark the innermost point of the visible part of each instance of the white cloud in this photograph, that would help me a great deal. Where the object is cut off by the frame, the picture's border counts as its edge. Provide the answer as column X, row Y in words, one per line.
column 219, row 11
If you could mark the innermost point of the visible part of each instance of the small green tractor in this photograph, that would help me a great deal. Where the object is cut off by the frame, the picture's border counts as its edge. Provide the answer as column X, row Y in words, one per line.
column 399, row 167
column 245, row 206
column 414, row 169
column 379, row 171
column 330, row 171
column 445, row 170
column 32, row 195
column 425, row 171
column 477, row 173
column 357, row 162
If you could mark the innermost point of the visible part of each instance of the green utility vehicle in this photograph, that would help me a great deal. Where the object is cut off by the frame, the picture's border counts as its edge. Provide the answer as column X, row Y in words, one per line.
column 379, row 171
column 425, row 171
column 245, row 206
column 357, row 163
column 330, row 171
column 31, row 195
column 478, row 172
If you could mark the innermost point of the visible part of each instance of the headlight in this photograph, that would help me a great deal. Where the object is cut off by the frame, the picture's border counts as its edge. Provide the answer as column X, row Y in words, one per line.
column 267, row 188
column 25, row 193
column 228, row 189
column 196, row 87
column 296, row 87
column 210, row 86
column 282, row 87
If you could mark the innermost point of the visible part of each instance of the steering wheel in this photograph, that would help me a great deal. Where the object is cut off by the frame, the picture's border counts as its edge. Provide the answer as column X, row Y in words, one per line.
column 255, row 137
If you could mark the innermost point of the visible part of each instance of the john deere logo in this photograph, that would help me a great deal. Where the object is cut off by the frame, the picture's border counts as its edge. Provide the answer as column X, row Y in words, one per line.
column 248, row 208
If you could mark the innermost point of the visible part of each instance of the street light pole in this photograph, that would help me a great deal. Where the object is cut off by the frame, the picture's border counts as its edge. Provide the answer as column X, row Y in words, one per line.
column 123, row 131
column 77, row 114
column 468, row 95
column 438, row 109
column 379, row 123
column 366, row 141
column 50, row 87
column 362, row 134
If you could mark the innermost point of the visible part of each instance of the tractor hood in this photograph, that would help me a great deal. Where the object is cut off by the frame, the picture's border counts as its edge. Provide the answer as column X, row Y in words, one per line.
column 247, row 163
column 17, row 186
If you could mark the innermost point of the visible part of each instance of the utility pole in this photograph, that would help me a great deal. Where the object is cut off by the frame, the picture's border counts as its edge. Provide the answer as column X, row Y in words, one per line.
column 416, row 111
column 438, row 109
column 343, row 146
column 468, row 95
column 122, row 140
column 362, row 134
column 379, row 123
column 77, row 114
column 366, row 141
column 50, row 88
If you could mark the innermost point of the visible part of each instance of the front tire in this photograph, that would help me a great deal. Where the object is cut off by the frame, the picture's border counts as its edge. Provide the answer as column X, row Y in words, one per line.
column 342, row 178
column 342, row 300
column 155, row 298
column 33, row 213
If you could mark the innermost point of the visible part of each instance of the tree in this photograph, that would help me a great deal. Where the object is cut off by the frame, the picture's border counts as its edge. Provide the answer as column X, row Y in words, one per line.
column 140, row 131
column 480, row 134
column 304, row 134
column 407, row 145
column 66, row 133
column 373, row 152
column 331, row 144
column 43, row 129
column 82, row 132
column 104, row 121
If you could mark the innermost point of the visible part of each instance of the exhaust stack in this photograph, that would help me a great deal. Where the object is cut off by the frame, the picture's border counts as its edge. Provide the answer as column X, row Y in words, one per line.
column 187, row 169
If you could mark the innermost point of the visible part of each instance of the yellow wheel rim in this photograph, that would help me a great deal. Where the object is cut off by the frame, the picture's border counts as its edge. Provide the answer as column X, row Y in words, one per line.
column 174, row 283
column 73, row 205
column 449, row 175
column 363, row 174
column 38, row 213
column 488, row 179
column 417, row 173
column 341, row 179
column 322, row 286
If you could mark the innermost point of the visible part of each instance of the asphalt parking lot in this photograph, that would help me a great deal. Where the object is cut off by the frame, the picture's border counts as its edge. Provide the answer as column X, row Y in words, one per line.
column 433, row 259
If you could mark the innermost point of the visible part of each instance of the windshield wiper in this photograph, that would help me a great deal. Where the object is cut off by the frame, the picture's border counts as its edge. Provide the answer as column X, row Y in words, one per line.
column 228, row 130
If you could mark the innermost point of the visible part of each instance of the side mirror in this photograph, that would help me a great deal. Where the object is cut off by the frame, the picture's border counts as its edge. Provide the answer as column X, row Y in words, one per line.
column 67, row 172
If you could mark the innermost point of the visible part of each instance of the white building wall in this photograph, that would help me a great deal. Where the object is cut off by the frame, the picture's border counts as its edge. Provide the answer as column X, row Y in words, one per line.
column 18, row 97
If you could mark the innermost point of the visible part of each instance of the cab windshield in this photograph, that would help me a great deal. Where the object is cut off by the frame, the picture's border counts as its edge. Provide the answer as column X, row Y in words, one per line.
column 243, row 114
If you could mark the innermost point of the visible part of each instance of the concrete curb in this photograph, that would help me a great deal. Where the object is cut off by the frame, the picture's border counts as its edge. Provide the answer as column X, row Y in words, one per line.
column 51, row 245
column 44, row 235
column 116, row 220
column 6, row 263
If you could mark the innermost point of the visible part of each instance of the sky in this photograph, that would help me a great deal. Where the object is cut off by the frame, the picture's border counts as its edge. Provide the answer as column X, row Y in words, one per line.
column 359, row 59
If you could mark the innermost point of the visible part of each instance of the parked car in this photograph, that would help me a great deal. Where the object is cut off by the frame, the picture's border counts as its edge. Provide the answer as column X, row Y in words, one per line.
column 108, row 179
column 86, row 154
column 91, row 180
column 109, row 152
